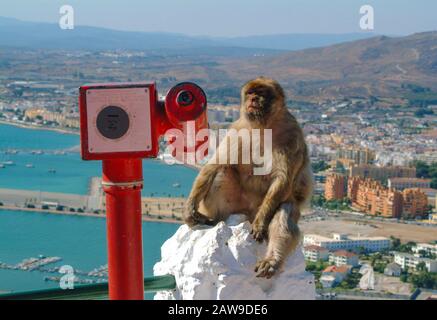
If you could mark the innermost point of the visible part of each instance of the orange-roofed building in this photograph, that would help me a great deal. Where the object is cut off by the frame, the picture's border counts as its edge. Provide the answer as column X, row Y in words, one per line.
column 333, row 275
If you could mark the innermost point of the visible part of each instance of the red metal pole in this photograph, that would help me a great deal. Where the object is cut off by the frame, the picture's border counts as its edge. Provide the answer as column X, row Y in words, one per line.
column 122, row 183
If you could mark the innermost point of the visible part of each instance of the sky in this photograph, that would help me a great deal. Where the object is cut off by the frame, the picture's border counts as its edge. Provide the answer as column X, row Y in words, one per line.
column 230, row 18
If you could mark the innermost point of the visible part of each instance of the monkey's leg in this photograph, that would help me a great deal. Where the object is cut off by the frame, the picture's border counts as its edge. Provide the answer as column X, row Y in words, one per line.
column 224, row 197
column 284, row 236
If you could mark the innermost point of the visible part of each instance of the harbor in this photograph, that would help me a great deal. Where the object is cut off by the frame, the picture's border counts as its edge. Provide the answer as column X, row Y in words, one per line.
column 79, row 240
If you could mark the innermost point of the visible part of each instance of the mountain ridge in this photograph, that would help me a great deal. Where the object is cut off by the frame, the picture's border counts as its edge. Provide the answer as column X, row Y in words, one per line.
column 17, row 33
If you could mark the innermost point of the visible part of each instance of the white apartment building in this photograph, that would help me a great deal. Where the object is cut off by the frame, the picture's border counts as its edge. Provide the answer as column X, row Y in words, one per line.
column 406, row 260
column 315, row 253
column 427, row 247
column 344, row 242
column 343, row 257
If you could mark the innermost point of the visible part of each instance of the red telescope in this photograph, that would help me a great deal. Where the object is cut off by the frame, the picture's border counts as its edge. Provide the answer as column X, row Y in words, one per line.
column 126, row 120
column 121, row 123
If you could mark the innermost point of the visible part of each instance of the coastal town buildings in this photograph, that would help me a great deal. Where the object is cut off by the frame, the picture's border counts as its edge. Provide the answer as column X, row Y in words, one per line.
column 333, row 275
column 315, row 253
column 345, row 242
column 393, row 270
column 70, row 120
column 406, row 260
column 382, row 173
column 415, row 203
column 335, row 187
column 349, row 156
column 343, row 257
column 428, row 248
column 408, row 183
column 373, row 198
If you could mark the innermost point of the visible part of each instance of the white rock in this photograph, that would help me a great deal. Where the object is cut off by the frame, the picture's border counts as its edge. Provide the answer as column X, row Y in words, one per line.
column 217, row 263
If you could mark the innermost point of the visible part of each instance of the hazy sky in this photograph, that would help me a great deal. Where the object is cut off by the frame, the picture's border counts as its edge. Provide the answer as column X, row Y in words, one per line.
column 234, row 17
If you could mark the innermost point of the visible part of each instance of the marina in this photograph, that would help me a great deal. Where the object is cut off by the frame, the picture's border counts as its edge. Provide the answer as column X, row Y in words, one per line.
column 39, row 264
column 80, row 242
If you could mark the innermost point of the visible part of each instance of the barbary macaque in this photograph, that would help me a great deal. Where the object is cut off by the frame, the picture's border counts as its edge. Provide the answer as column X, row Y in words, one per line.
column 271, row 201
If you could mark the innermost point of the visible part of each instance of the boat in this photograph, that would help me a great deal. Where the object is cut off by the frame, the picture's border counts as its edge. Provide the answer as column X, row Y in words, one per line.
column 8, row 163
column 30, row 165
column 2, row 166
column 176, row 185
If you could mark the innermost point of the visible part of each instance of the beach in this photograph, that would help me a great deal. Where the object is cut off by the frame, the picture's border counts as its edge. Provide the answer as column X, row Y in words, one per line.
column 36, row 127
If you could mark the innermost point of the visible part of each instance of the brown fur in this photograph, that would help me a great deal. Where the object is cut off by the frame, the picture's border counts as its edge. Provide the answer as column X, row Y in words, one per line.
column 272, row 202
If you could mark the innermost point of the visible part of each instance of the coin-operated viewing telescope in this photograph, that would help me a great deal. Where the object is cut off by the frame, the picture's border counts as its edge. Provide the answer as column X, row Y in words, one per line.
column 121, row 123
column 126, row 120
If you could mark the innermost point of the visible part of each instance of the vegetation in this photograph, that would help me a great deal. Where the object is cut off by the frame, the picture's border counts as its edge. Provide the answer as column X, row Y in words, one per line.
column 351, row 281
column 422, row 112
column 424, row 170
column 379, row 267
column 426, row 254
column 396, row 245
column 316, row 269
column 421, row 279
column 319, row 166
column 425, row 280
column 320, row 201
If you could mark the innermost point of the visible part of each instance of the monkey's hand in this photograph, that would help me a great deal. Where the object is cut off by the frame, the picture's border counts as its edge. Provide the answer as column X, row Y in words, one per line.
column 259, row 230
column 193, row 217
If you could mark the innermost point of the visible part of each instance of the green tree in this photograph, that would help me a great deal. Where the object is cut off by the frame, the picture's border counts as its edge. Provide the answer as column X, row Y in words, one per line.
column 424, row 280
column 320, row 165
column 395, row 243
column 404, row 277
column 421, row 266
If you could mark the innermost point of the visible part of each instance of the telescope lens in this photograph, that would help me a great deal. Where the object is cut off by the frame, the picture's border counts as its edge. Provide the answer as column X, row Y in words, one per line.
column 185, row 98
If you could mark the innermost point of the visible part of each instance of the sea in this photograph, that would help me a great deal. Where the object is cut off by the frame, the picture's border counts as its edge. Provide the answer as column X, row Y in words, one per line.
column 49, row 161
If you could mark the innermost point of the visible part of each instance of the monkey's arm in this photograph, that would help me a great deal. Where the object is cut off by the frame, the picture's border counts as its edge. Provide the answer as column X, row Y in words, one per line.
column 203, row 183
column 285, row 169
column 201, row 186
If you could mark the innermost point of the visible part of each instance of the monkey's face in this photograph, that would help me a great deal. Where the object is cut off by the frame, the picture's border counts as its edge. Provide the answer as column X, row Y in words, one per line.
column 260, row 98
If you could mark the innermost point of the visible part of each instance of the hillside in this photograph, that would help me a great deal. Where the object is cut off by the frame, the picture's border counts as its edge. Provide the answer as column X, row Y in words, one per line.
column 403, row 67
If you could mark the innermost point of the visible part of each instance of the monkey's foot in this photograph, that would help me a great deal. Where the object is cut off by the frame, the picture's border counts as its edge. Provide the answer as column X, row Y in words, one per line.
column 193, row 217
column 266, row 268
column 259, row 231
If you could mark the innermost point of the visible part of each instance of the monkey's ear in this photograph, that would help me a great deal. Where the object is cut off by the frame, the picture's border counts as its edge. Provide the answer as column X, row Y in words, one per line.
column 278, row 89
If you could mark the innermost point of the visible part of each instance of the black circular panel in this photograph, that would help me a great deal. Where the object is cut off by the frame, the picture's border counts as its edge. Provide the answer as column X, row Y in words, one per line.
column 112, row 122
